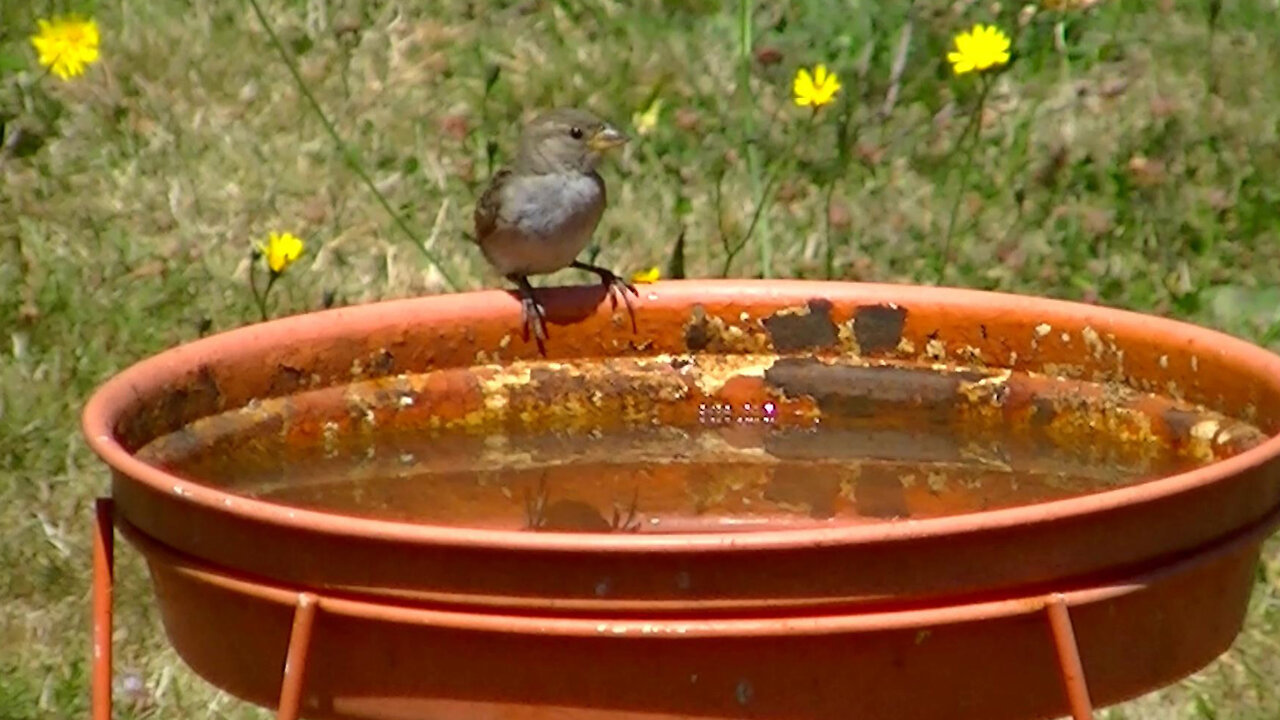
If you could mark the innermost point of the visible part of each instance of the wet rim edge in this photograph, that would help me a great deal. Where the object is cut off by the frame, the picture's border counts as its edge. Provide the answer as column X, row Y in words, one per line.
column 110, row 399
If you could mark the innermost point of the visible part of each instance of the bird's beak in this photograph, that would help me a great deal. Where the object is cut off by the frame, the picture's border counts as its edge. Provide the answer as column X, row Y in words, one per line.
column 605, row 138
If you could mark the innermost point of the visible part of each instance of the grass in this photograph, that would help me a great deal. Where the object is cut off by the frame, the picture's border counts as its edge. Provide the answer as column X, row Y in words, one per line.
column 1124, row 158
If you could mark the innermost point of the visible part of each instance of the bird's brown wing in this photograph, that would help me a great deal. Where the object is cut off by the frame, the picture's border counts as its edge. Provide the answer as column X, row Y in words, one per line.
column 489, row 206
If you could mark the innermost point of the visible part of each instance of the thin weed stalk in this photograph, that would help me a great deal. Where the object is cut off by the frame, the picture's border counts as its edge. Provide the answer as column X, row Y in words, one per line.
column 759, row 187
column 972, row 132
column 349, row 154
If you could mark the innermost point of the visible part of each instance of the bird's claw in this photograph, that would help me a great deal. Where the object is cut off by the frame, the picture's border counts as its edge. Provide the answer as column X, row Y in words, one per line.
column 535, row 322
column 619, row 287
column 533, row 314
column 628, row 522
column 616, row 287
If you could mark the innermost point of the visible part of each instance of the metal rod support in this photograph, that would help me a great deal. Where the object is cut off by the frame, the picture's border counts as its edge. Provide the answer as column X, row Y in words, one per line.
column 1064, row 640
column 103, row 581
column 295, row 660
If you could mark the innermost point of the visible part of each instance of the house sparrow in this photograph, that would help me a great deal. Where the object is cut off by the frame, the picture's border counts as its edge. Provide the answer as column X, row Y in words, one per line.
column 537, row 215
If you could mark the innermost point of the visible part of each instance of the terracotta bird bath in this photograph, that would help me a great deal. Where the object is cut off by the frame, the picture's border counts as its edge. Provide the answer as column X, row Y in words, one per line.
column 769, row 500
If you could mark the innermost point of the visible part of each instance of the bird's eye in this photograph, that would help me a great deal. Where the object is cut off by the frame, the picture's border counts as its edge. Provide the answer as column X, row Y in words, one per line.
column 575, row 133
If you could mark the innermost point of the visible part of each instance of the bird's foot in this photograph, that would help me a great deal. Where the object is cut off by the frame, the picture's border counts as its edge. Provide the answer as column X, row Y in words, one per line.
column 628, row 522
column 535, row 321
column 533, row 314
column 616, row 287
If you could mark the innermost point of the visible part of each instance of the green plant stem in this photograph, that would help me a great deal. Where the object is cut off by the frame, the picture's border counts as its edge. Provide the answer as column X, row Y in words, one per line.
column 259, row 298
column 762, row 202
column 266, row 292
column 756, row 215
column 758, row 188
column 1270, row 335
column 844, row 144
column 348, row 154
column 829, row 260
column 974, row 129
column 1211, row 68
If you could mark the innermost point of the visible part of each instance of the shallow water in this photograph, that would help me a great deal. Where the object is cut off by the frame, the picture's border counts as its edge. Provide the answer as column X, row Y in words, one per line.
column 715, row 475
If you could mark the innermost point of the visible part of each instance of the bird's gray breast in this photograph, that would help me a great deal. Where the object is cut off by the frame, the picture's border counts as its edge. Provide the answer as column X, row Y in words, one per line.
column 552, row 216
column 547, row 205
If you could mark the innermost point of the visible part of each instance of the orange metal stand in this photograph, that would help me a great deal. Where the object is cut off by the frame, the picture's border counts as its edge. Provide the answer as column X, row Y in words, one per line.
column 295, row 664
column 1064, row 640
column 308, row 604
column 103, row 580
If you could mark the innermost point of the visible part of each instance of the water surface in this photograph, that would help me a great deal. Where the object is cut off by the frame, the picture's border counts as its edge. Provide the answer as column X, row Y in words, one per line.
column 721, row 473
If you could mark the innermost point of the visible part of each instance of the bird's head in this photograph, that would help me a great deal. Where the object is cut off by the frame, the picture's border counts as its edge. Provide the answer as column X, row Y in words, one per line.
column 566, row 141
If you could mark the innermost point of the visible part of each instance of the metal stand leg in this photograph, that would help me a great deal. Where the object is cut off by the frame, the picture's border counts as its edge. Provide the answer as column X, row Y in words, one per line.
column 103, row 580
column 1064, row 639
column 295, row 660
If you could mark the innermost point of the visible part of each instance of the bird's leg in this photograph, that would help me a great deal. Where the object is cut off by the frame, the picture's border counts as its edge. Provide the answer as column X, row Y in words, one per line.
column 535, row 507
column 535, row 316
column 613, row 283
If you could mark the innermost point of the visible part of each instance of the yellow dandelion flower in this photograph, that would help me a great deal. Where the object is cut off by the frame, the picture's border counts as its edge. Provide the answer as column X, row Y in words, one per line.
column 66, row 45
column 982, row 48
column 817, row 89
column 644, row 122
column 281, row 250
column 644, row 277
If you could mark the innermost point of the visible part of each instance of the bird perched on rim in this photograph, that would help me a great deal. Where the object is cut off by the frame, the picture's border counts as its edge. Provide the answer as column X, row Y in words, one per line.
column 538, row 214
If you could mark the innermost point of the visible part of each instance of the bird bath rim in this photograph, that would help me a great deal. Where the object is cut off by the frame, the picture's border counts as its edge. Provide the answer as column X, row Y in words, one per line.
column 108, row 404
